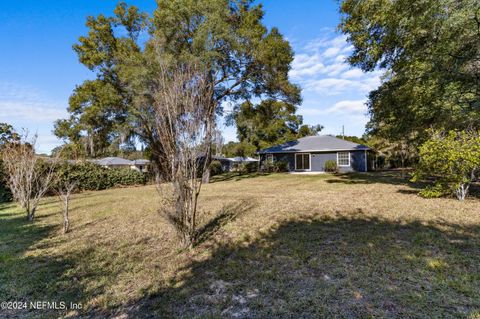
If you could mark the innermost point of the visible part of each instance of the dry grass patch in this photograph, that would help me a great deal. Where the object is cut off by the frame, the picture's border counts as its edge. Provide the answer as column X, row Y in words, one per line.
column 360, row 245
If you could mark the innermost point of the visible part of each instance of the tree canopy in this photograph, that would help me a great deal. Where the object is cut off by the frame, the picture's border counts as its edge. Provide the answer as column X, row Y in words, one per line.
column 8, row 134
column 430, row 51
column 244, row 60
column 268, row 123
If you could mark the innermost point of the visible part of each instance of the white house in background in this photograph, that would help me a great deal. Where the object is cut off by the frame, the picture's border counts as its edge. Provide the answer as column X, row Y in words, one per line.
column 118, row 162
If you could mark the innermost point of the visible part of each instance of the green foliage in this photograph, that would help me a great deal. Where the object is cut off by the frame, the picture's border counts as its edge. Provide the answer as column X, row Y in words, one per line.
column 309, row 130
column 225, row 37
column 8, row 134
column 269, row 123
column 216, row 168
column 91, row 176
column 243, row 149
column 430, row 51
column 354, row 139
column 281, row 166
column 435, row 191
column 5, row 194
column 275, row 167
column 453, row 158
column 331, row 166
column 244, row 168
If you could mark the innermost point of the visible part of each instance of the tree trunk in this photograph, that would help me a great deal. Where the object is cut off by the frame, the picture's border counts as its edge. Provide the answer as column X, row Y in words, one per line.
column 66, row 222
column 462, row 191
column 403, row 167
column 31, row 214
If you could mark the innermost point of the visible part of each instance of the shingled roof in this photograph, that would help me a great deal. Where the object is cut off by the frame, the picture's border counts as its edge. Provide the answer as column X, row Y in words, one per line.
column 322, row 143
column 107, row 161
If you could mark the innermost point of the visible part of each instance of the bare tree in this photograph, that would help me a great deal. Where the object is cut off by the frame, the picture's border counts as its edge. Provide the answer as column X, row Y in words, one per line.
column 65, row 189
column 27, row 178
column 184, row 115
column 219, row 141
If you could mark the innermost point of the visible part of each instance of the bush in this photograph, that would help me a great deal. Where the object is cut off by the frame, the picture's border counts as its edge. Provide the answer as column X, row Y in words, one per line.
column 453, row 158
column 434, row 191
column 330, row 166
column 281, row 166
column 5, row 194
column 275, row 167
column 91, row 176
column 216, row 168
column 125, row 177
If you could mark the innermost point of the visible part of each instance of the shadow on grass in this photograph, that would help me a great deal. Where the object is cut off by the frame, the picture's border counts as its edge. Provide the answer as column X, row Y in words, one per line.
column 348, row 266
column 29, row 276
column 384, row 177
column 235, row 176
column 226, row 215
column 393, row 177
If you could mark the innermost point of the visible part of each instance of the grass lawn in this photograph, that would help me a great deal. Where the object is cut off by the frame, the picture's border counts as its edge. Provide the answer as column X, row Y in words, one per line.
column 358, row 245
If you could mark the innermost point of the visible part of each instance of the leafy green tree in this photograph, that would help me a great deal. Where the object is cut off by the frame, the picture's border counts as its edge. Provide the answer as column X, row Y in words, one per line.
column 309, row 130
column 232, row 149
column 243, row 58
column 269, row 123
column 354, row 139
column 453, row 158
column 8, row 134
column 430, row 51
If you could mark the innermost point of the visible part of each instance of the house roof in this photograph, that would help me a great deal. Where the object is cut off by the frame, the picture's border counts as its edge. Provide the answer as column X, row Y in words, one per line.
column 321, row 143
column 242, row 159
column 141, row 162
column 107, row 161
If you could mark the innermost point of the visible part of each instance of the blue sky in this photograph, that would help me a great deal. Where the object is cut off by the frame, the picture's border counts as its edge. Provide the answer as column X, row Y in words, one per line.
column 39, row 70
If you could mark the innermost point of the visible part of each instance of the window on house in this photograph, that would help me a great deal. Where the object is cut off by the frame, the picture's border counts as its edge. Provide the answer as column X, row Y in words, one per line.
column 343, row 159
column 302, row 161
column 270, row 158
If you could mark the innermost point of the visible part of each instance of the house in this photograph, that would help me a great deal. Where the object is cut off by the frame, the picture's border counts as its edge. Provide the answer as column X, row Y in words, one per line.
column 240, row 159
column 237, row 162
column 140, row 165
column 310, row 154
column 118, row 162
column 230, row 163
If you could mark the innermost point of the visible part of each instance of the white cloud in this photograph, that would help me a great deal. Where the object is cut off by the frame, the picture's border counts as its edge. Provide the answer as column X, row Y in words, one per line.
column 349, row 107
column 344, row 108
column 331, row 52
column 27, row 108
column 336, row 86
column 353, row 74
column 25, row 104
column 321, row 68
column 306, row 65
column 35, row 111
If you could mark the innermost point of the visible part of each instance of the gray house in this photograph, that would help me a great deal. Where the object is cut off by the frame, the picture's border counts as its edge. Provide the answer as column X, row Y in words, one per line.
column 310, row 154
column 118, row 162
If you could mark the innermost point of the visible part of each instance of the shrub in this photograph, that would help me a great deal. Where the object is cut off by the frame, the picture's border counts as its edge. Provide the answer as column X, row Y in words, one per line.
column 216, row 168
column 330, row 166
column 434, row 191
column 267, row 167
column 251, row 167
column 125, row 177
column 90, row 176
column 453, row 158
column 275, row 167
column 281, row 166
column 5, row 194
